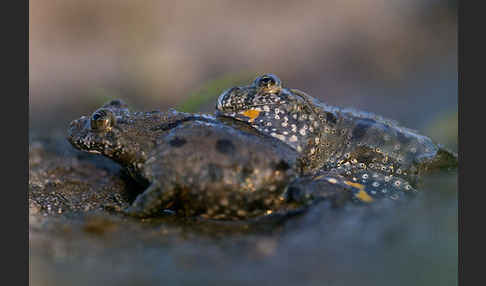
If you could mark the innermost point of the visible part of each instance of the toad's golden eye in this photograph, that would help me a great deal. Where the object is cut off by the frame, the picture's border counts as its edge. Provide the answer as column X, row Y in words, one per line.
column 102, row 119
column 268, row 81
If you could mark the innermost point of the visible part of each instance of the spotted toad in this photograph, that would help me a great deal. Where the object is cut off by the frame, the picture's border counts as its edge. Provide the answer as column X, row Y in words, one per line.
column 199, row 165
column 375, row 154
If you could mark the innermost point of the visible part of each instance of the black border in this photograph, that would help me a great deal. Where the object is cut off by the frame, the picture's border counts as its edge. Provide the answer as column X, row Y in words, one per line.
column 471, row 85
column 460, row 207
column 15, row 23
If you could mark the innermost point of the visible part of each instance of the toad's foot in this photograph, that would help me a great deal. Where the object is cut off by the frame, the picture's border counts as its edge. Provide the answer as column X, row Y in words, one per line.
column 359, row 187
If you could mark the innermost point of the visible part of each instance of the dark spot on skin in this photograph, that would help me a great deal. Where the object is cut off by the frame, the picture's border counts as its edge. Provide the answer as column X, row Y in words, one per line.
column 177, row 142
column 365, row 155
column 402, row 138
column 361, row 127
column 331, row 118
column 246, row 172
column 282, row 166
column 225, row 146
column 116, row 103
column 215, row 173
column 294, row 193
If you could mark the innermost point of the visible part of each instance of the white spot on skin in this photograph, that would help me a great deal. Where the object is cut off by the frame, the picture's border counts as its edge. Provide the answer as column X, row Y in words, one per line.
column 332, row 180
column 294, row 128
column 284, row 124
column 268, row 124
column 293, row 138
column 302, row 132
column 375, row 184
column 278, row 136
column 266, row 108
column 299, row 149
column 365, row 176
column 277, row 117
column 316, row 140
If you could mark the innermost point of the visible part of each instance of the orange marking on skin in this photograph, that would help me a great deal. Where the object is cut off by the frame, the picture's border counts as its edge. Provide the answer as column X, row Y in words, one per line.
column 251, row 113
column 362, row 194
column 318, row 177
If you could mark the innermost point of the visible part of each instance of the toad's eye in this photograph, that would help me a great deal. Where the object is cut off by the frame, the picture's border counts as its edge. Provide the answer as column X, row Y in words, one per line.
column 268, row 81
column 102, row 119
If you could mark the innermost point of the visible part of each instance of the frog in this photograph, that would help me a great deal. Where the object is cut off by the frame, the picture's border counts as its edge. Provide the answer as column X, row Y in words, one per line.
column 376, row 154
column 202, row 165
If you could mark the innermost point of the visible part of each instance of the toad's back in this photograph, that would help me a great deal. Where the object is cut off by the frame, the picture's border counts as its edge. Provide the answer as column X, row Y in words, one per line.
column 369, row 141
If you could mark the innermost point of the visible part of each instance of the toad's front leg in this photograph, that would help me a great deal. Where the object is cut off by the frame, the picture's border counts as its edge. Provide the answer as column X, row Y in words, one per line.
column 152, row 201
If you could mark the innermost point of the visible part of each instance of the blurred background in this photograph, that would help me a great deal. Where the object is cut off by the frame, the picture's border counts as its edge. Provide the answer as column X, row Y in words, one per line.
column 396, row 58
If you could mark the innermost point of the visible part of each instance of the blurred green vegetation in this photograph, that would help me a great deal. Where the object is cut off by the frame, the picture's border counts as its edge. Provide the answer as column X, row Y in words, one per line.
column 445, row 129
column 210, row 91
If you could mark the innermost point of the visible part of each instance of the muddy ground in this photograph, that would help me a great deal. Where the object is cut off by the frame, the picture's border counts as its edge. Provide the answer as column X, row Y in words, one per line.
column 76, row 236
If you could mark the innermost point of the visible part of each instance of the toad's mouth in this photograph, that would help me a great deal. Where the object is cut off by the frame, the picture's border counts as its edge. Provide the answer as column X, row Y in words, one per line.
column 249, row 115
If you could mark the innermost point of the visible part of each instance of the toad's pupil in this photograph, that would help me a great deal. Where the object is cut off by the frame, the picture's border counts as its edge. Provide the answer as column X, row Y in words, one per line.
column 97, row 116
column 267, row 81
